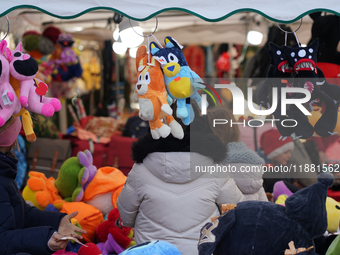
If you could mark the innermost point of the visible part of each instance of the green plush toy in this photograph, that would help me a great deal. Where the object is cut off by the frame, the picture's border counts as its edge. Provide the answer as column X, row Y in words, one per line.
column 334, row 248
column 74, row 176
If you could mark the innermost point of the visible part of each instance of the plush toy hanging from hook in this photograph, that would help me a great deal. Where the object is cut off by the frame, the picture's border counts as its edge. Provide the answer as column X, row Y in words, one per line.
column 308, row 76
column 9, row 103
column 295, row 66
column 32, row 90
column 181, row 82
column 152, row 96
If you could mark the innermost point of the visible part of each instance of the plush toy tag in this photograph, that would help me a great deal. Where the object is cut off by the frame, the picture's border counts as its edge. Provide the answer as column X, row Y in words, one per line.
column 41, row 89
column 72, row 238
column 6, row 99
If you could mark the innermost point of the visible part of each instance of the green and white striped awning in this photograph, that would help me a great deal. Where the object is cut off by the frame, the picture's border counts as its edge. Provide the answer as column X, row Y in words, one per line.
column 285, row 11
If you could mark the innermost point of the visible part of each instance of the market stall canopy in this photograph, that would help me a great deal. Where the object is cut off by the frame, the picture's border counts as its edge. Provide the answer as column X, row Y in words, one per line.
column 185, row 27
column 216, row 10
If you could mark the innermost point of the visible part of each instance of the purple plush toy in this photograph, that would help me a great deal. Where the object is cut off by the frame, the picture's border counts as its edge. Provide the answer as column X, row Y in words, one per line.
column 87, row 173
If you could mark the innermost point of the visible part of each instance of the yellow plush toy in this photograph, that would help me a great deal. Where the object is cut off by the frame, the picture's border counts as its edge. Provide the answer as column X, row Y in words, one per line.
column 91, row 74
column 25, row 115
column 333, row 214
column 281, row 200
column 41, row 191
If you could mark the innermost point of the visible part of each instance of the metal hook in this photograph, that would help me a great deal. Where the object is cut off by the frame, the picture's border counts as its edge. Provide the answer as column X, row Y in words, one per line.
column 7, row 29
column 290, row 32
column 145, row 36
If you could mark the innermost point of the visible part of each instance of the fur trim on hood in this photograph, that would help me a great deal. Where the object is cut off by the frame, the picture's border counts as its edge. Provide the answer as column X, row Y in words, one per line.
column 204, row 143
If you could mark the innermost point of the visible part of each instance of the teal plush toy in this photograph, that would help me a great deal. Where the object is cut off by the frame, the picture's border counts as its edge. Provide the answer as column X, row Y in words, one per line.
column 181, row 82
column 155, row 247
column 74, row 176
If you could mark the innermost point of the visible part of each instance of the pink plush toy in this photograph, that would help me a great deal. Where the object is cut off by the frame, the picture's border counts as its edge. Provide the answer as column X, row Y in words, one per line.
column 32, row 90
column 9, row 103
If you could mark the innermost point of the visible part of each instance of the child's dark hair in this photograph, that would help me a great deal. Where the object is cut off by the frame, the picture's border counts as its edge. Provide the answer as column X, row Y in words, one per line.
column 227, row 132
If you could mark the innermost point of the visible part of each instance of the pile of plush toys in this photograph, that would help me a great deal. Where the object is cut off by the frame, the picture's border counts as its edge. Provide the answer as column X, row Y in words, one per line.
column 92, row 192
column 295, row 224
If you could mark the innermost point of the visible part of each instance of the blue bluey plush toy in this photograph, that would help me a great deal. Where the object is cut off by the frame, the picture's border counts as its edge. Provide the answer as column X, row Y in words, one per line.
column 154, row 247
column 181, row 82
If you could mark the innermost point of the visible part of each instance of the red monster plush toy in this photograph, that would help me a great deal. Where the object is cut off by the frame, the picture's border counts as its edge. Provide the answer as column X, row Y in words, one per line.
column 113, row 225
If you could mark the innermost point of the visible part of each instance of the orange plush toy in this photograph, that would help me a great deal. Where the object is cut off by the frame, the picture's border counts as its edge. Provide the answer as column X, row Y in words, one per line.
column 102, row 192
column 152, row 97
column 41, row 191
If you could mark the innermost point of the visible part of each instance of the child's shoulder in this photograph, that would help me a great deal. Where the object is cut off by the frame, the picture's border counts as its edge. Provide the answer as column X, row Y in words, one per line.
column 238, row 152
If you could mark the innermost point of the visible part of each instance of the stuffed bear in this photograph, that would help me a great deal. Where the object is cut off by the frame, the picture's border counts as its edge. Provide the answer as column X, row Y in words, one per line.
column 255, row 227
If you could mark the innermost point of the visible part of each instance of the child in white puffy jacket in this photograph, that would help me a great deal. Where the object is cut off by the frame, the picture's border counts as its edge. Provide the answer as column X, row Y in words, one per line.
column 164, row 198
column 244, row 164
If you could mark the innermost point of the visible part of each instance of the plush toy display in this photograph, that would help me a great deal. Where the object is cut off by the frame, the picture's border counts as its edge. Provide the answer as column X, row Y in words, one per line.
column 89, row 249
column 103, row 191
column 64, row 60
column 334, row 248
column 283, row 189
column 112, row 234
column 255, row 227
column 155, row 247
column 91, row 74
column 9, row 103
column 32, row 91
column 333, row 214
column 279, row 75
column 67, row 55
column 327, row 29
column 152, row 97
column 304, row 59
column 74, row 176
column 36, row 45
column 88, row 217
column 181, row 82
column 42, row 191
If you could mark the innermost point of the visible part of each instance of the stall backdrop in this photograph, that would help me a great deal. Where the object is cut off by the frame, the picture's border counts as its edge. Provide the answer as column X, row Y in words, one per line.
column 190, row 21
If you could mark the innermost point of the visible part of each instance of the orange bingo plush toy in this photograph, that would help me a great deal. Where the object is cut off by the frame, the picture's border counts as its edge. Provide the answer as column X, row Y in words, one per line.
column 152, row 97
column 41, row 191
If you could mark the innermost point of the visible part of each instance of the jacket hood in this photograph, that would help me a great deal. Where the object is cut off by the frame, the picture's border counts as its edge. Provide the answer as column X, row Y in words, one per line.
column 203, row 142
column 8, row 166
column 177, row 167
column 174, row 160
